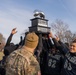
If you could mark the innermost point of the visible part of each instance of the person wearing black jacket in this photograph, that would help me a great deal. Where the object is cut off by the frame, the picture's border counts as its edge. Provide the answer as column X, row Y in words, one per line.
column 69, row 60
column 69, row 65
column 9, row 47
column 51, row 64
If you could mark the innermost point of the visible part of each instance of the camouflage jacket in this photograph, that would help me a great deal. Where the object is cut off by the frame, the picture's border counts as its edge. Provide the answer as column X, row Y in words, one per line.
column 22, row 62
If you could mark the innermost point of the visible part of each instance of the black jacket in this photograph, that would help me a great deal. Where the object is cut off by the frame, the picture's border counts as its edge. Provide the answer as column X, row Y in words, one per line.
column 50, row 63
column 69, row 60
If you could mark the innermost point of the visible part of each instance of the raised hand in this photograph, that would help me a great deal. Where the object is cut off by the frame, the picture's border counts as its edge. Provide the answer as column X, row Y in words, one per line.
column 57, row 38
column 13, row 31
column 51, row 35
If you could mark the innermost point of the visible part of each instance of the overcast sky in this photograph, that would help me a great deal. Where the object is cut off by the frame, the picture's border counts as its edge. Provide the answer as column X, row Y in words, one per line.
column 17, row 13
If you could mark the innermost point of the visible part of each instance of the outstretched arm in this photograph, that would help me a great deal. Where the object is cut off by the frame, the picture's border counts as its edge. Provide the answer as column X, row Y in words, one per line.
column 10, row 37
column 60, row 46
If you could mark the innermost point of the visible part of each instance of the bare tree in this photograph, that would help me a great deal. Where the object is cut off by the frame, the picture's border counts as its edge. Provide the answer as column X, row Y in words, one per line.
column 59, row 27
column 68, row 36
column 74, row 36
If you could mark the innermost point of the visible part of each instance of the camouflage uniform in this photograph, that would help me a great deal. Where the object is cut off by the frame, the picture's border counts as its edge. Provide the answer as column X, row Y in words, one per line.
column 22, row 62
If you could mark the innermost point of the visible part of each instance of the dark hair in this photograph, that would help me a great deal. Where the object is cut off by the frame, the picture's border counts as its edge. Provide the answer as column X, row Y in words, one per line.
column 74, row 41
column 67, row 44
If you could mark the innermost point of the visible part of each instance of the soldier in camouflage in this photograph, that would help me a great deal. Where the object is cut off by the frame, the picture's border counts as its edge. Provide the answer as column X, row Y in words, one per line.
column 22, row 61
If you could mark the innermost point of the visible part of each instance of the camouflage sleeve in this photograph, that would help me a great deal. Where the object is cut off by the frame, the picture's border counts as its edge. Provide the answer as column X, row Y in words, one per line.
column 32, row 67
column 24, row 67
column 31, row 70
column 16, row 64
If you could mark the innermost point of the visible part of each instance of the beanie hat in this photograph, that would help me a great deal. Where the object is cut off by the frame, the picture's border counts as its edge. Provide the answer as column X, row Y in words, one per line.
column 31, row 40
